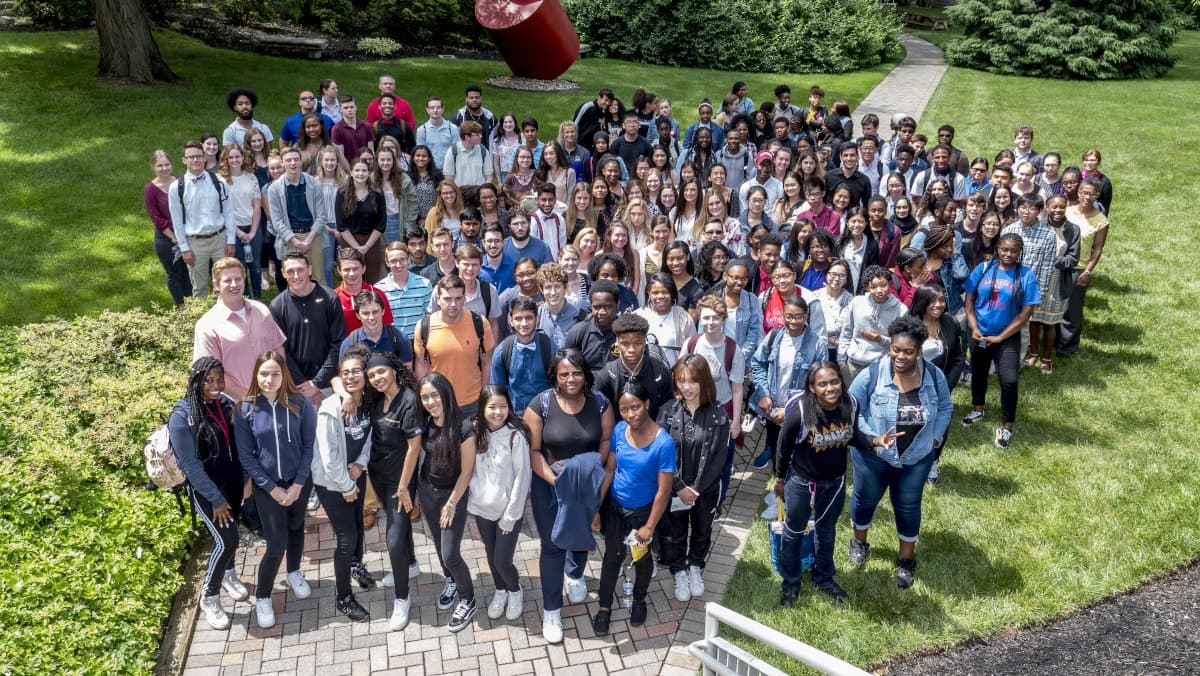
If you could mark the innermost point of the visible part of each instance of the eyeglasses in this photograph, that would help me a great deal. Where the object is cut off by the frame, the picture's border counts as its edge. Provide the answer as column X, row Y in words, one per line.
column 835, row 275
column 795, row 318
column 306, row 98
column 346, row 373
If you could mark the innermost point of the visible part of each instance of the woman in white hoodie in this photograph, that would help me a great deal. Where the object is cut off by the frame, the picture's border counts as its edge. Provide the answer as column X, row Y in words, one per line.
column 339, row 466
column 498, row 492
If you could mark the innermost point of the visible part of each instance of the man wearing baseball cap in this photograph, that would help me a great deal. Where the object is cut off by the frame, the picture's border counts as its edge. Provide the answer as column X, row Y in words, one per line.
column 764, row 164
column 706, row 113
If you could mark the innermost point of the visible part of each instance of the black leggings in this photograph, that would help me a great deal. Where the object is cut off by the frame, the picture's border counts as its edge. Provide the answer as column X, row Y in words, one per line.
column 346, row 520
column 500, row 549
column 225, row 538
column 1007, row 357
column 179, row 282
column 447, row 541
column 620, row 521
column 283, row 529
column 401, row 550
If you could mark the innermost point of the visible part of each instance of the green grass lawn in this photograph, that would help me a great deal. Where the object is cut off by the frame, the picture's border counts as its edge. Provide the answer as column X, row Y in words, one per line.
column 1098, row 491
column 76, row 151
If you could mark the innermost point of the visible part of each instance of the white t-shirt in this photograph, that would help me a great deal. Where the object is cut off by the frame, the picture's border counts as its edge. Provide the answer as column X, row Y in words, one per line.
column 715, row 356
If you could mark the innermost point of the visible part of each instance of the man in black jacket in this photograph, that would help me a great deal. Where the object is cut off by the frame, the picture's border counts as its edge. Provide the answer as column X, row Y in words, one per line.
column 588, row 116
column 638, row 361
column 310, row 315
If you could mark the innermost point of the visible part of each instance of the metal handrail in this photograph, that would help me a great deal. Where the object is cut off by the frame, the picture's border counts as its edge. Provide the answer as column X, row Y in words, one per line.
column 715, row 615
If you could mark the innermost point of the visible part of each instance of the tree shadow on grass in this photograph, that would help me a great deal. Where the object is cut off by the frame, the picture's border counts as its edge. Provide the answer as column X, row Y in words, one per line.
column 873, row 592
column 972, row 484
column 953, row 565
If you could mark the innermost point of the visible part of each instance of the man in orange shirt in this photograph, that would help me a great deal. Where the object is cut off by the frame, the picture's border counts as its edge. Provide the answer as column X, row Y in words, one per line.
column 456, row 344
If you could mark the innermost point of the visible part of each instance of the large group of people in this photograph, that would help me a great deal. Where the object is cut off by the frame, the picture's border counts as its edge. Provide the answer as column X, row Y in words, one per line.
column 471, row 314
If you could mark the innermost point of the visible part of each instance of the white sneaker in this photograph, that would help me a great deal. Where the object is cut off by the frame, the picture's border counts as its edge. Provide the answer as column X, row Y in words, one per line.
column 414, row 569
column 299, row 585
column 214, row 614
column 552, row 626
column 683, row 589
column 576, row 591
column 499, row 601
column 400, row 614
column 516, row 604
column 265, row 612
column 388, row 581
column 314, row 503
column 696, row 581
column 233, row 586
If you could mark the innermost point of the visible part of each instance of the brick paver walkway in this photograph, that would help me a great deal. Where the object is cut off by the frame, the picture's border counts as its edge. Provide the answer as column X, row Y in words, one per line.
column 311, row 637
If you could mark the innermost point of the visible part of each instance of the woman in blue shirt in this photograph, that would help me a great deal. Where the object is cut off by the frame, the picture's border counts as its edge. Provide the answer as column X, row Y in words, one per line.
column 1000, row 297
column 641, row 488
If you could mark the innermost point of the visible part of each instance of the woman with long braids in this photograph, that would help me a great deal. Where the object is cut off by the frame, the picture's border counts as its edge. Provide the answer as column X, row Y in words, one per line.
column 201, row 429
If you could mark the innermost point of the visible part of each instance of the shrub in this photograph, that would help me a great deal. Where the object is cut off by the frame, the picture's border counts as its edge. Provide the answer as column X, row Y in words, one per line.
column 1075, row 39
column 56, row 13
column 242, row 12
column 436, row 23
column 89, row 559
column 756, row 35
column 378, row 46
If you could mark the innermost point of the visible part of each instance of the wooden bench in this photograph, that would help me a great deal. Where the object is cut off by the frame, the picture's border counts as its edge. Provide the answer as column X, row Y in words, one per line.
column 922, row 21
column 310, row 47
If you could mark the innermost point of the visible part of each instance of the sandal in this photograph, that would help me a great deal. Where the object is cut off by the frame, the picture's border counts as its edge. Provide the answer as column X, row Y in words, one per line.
column 1031, row 359
column 1047, row 366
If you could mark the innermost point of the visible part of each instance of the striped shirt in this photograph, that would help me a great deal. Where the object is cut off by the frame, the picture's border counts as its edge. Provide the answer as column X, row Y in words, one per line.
column 409, row 303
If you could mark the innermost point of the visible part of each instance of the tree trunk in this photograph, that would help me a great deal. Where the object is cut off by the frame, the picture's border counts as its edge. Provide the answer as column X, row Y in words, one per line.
column 127, row 48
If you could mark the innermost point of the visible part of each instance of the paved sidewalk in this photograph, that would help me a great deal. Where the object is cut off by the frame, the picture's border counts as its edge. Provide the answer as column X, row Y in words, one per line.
column 910, row 85
column 310, row 636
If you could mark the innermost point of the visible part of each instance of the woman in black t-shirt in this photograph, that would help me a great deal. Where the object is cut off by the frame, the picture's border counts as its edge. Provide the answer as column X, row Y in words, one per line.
column 567, row 420
column 447, row 461
column 395, row 447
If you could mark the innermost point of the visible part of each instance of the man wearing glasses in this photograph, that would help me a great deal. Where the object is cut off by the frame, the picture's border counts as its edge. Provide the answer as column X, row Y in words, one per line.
column 203, row 228
column 291, row 127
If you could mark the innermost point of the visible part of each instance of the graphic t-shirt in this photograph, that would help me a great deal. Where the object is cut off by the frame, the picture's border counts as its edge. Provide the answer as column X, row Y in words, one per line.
column 910, row 418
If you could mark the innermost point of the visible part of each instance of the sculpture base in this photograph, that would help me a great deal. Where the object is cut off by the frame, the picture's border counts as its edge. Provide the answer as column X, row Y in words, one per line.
column 528, row 84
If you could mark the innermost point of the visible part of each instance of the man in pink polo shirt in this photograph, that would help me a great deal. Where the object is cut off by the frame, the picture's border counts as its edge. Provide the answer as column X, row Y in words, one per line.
column 236, row 330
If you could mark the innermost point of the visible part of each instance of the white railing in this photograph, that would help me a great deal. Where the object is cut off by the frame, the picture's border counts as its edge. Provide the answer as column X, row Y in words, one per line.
column 722, row 658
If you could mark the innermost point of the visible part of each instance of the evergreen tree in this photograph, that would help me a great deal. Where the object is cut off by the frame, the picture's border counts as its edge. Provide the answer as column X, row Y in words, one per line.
column 1068, row 39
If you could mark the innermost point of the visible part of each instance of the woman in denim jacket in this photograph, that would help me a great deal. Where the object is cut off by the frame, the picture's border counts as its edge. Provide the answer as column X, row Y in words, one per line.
column 779, row 367
column 905, row 407
column 744, row 324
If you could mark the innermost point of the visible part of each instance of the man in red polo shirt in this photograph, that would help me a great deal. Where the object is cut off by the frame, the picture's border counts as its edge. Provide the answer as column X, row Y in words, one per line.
column 351, row 268
column 404, row 111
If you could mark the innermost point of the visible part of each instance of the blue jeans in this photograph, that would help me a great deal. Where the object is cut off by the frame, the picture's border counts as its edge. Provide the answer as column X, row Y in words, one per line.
column 831, row 496
column 329, row 244
column 391, row 230
column 873, row 476
column 553, row 561
column 253, row 269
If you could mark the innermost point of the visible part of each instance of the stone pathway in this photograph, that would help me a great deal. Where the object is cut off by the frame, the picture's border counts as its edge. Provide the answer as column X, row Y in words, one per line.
column 310, row 636
column 910, row 85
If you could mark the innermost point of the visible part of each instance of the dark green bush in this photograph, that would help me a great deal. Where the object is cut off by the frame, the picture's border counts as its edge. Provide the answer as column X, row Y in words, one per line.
column 89, row 559
column 1076, row 39
column 56, row 13
column 242, row 12
column 425, row 23
column 831, row 36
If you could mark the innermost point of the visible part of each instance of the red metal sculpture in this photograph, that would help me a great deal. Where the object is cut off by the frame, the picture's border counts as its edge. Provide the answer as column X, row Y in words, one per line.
column 536, row 37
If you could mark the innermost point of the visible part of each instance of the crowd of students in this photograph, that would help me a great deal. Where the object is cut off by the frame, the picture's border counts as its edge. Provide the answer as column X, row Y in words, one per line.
column 590, row 324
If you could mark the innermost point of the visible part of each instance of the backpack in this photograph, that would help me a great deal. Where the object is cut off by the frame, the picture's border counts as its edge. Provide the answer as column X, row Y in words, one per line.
column 218, row 184
column 506, row 350
column 454, row 154
column 476, row 320
column 730, row 348
column 161, row 463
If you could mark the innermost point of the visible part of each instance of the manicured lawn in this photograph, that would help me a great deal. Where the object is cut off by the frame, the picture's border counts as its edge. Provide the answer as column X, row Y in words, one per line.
column 1098, row 491
column 76, row 151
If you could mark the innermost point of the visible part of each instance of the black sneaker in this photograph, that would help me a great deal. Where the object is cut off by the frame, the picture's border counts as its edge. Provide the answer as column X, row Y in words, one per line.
column 446, row 600
column 637, row 614
column 787, row 598
column 361, row 575
column 906, row 572
column 351, row 608
column 972, row 418
column 833, row 591
column 859, row 551
column 601, row 621
column 462, row 615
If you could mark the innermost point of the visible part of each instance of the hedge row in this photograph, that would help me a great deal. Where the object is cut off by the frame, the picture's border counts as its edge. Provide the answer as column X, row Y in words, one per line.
column 89, row 559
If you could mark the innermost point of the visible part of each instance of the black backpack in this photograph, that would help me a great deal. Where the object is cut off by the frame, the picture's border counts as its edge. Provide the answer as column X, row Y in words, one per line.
column 506, row 350
column 476, row 320
column 218, row 184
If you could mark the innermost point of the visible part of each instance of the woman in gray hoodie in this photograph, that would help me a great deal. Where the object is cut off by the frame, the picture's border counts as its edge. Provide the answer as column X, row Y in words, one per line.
column 864, row 338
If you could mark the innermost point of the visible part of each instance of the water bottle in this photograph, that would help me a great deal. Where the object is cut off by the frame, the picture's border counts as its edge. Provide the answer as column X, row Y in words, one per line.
column 248, row 252
column 627, row 589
